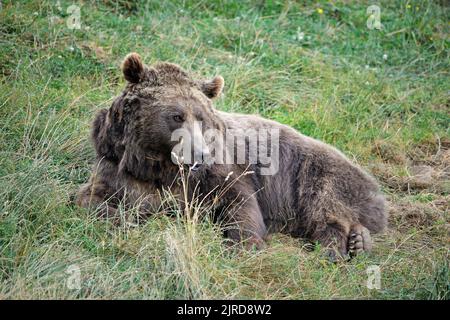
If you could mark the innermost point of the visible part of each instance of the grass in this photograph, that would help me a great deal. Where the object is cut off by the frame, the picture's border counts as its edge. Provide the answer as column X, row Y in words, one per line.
column 381, row 96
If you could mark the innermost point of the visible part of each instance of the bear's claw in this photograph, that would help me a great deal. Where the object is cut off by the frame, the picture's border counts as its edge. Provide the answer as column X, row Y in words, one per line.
column 359, row 240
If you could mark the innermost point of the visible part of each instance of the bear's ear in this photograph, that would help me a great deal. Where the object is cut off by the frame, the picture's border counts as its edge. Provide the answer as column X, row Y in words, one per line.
column 133, row 68
column 212, row 88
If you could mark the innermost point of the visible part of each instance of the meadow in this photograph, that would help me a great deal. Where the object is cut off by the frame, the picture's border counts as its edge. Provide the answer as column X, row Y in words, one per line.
column 377, row 91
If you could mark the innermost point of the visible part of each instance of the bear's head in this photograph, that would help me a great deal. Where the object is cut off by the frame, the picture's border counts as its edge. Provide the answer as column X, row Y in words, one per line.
column 137, row 132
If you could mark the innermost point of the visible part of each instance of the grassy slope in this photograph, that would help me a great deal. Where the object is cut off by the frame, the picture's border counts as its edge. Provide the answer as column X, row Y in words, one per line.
column 389, row 115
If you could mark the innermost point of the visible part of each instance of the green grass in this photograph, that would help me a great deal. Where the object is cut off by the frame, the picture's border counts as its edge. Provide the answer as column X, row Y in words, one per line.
column 386, row 113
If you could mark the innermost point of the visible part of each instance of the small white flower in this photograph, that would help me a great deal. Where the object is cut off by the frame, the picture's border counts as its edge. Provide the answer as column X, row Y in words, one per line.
column 385, row 56
column 367, row 67
column 300, row 35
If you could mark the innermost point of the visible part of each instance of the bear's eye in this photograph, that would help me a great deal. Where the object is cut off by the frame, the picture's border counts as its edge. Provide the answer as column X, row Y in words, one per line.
column 178, row 118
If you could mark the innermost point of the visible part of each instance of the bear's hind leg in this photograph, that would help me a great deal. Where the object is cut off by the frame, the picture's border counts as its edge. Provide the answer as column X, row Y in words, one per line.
column 334, row 236
column 343, row 242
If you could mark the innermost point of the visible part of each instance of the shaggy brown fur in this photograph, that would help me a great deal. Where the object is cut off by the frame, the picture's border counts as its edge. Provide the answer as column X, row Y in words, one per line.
column 317, row 192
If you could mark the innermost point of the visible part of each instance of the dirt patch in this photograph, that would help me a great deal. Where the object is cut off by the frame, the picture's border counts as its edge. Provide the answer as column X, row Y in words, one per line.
column 406, row 214
column 388, row 152
column 425, row 167
column 412, row 180
column 432, row 152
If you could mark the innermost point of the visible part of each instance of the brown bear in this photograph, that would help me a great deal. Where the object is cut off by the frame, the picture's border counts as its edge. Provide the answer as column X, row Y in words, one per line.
column 315, row 193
